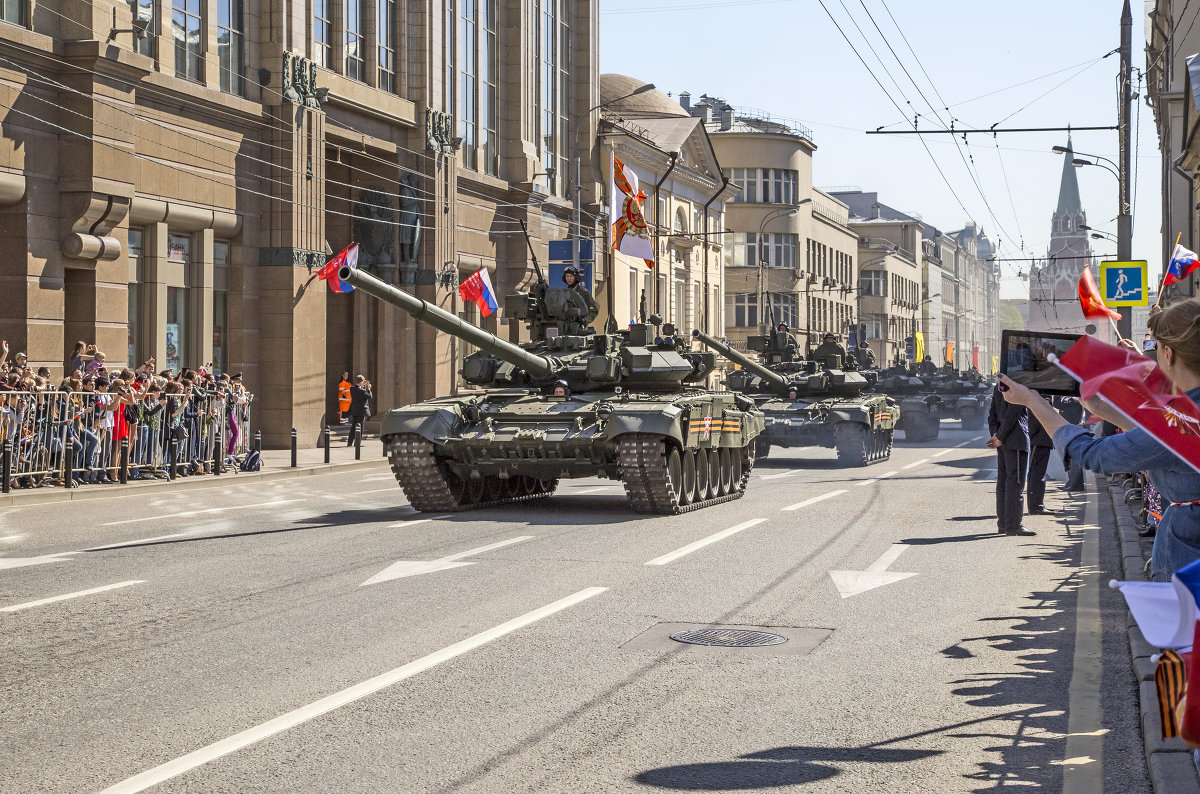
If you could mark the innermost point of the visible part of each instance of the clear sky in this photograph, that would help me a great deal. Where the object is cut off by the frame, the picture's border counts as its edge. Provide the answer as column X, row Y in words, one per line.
column 786, row 57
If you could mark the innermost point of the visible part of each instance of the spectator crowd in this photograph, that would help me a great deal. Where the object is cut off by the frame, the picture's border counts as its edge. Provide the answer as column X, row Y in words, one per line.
column 168, row 423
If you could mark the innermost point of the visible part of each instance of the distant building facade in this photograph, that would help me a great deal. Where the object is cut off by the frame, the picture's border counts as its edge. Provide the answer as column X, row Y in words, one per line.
column 790, row 255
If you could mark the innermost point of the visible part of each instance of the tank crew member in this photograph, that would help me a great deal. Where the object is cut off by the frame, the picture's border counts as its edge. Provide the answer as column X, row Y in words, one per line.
column 574, row 282
column 927, row 367
column 560, row 389
column 865, row 356
column 828, row 348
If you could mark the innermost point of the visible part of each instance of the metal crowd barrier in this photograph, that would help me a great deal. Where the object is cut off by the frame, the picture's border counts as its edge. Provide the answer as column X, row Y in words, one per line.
column 61, row 438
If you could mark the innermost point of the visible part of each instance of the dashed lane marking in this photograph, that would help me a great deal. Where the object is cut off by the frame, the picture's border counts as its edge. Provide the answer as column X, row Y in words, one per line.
column 81, row 593
column 165, row 516
column 916, row 463
column 815, row 499
column 963, row 444
column 688, row 549
column 943, row 452
column 417, row 521
column 393, row 489
column 780, row 475
column 291, row 719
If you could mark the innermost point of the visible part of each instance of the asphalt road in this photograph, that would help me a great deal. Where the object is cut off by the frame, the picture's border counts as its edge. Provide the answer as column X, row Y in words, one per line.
column 320, row 636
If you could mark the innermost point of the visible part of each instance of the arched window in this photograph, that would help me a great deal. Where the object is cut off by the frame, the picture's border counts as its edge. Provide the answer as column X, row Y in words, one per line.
column 681, row 222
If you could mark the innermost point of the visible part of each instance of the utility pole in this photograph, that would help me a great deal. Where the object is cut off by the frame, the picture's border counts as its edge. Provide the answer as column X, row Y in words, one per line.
column 1124, row 218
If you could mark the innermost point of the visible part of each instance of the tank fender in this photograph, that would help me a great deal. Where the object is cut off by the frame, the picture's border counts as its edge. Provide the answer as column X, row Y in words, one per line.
column 859, row 413
column 433, row 425
column 659, row 421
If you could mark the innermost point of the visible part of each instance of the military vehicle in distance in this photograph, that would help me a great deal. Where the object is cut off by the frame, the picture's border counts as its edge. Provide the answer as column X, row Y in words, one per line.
column 920, row 406
column 807, row 404
column 965, row 397
column 569, row 403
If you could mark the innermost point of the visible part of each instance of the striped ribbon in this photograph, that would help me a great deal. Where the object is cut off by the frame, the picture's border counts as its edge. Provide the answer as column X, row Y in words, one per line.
column 1170, row 681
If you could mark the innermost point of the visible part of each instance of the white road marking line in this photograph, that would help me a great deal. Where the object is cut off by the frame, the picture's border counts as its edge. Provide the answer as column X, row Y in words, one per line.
column 880, row 477
column 377, row 477
column 977, row 438
column 1083, row 765
column 199, row 512
column 21, row 562
column 963, row 444
column 815, row 499
column 916, row 463
column 592, row 490
column 393, row 489
column 688, row 549
column 780, row 475
column 851, row 583
column 404, row 568
column 943, row 452
column 417, row 521
column 141, row 540
column 19, row 607
column 158, row 774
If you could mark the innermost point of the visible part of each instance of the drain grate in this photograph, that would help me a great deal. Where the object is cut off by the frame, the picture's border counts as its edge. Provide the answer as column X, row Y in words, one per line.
column 729, row 638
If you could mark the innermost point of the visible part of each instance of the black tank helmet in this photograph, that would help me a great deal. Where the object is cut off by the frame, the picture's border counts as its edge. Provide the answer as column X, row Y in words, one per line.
column 572, row 270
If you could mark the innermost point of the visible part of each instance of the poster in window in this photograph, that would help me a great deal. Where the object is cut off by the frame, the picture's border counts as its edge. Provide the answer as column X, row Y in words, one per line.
column 173, row 343
column 178, row 247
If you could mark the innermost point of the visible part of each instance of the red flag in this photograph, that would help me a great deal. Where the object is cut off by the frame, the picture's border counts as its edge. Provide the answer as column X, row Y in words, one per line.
column 1139, row 390
column 478, row 289
column 1090, row 300
column 328, row 272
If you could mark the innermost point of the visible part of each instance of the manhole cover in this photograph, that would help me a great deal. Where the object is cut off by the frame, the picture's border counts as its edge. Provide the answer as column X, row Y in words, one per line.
column 729, row 638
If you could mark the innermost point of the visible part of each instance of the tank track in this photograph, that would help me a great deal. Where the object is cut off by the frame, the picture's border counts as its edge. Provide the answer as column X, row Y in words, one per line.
column 431, row 487
column 853, row 449
column 643, row 467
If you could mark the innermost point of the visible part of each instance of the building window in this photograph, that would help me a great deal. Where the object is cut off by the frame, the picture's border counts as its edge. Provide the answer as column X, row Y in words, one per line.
column 876, row 326
column 322, row 33
column 873, row 282
column 229, row 45
column 14, row 11
column 741, row 309
column 783, row 307
column 355, row 54
column 135, row 356
column 467, row 97
column 775, row 250
column 764, row 185
column 187, row 29
column 384, row 32
column 176, row 327
column 220, row 314
column 142, row 12
column 552, row 96
column 680, row 227
column 488, row 108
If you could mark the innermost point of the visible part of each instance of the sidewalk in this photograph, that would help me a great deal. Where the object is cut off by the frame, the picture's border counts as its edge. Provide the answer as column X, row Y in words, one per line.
column 276, row 465
column 1169, row 762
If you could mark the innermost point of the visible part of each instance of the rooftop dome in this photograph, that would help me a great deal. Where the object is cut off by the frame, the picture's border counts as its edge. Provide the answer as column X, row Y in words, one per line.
column 650, row 104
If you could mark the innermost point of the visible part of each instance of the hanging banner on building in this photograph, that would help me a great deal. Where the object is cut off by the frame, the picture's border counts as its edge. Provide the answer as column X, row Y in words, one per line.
column 630, row 234
column 919, row 346
column 949, row 352
column 173, row 346
column 975, row 357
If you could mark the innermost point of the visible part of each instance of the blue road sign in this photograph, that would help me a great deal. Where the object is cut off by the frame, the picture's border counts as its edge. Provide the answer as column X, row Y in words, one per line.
column 556, row 271
column 1124, row 283
column 910, row 348
column 852, row 339
column 560, row 251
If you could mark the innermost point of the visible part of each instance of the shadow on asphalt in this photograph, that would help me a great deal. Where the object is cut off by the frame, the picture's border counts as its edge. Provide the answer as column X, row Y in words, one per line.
column 1031, row 736
column 971, row 518
column 779, row 766
column 953, row 539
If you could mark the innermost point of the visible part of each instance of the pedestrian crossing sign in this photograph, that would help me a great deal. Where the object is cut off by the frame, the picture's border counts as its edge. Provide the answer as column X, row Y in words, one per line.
column 1124, row 283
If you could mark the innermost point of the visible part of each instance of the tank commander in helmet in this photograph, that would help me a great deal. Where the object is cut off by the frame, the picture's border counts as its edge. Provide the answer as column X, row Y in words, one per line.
column 827, row 348
column 573, row 281
column 864, row 356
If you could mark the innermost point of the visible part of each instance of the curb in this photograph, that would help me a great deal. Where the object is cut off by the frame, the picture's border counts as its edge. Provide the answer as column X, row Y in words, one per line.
column 43, row 496
column 1169, row 762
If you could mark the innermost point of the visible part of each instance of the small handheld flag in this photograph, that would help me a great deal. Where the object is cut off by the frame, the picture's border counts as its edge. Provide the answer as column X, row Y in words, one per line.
column 348, row 258
column 1183, row 264
column 478, row 289
column 1090, row 300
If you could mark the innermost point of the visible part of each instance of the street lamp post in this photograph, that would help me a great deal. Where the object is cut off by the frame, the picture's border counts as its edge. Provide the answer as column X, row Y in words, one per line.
column 760, row 293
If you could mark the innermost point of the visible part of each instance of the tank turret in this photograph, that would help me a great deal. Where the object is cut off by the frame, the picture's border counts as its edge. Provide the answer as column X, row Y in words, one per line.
column 568, row 403
column 787, row 374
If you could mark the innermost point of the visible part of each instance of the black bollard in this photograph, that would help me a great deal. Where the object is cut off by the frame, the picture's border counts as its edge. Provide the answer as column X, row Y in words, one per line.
column 6, row 465
column 358, row 442
column 325, row 440
column 173, row 470
column 69, row 465
column 258, row 441
column 218, row 450
column 123, row 474
column 293, row 447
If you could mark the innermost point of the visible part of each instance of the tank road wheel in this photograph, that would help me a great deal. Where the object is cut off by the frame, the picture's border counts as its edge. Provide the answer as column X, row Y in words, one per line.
column 714, row 474
column 675, row 474
column 703, row 484
column 473, row 490
column 762, row 446
column 512, row 486
column 493, row 488
column 851, row 443
column 688, row 482
column 544, row 487
column 725, row 466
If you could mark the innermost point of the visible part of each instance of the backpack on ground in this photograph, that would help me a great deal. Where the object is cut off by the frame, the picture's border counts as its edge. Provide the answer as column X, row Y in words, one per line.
column 252, row 461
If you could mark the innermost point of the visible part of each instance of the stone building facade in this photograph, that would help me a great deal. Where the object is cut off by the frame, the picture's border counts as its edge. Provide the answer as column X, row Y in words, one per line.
column 790, row 255
column 173, row 170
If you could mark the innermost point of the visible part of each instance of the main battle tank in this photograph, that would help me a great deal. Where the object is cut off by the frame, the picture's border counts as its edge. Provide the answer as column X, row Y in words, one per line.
column 965, row 397
column 920, row 407
column 569, row 403
column 806, row 404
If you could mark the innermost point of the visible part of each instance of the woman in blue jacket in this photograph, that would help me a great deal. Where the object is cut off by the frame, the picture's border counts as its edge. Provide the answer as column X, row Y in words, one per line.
column 1177, row 334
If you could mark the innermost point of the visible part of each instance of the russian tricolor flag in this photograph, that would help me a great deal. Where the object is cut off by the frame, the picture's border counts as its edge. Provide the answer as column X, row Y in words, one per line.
column 478, row 289
column 1183, row 262
column 349, row 258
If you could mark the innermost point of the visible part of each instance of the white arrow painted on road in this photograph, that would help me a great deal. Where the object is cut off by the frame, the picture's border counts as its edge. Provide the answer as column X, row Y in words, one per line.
column 854, row 582
column 403, row 568
column 21, row 562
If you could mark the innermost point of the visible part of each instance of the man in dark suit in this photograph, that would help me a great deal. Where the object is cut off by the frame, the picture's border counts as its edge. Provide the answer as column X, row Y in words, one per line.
column 1009, row 426
column 1072, row 411
column 1041, row 445
column 360, row 395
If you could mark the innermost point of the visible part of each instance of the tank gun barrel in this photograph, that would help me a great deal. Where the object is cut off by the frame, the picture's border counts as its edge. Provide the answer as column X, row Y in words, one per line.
column 773, row 378
column 537, row 366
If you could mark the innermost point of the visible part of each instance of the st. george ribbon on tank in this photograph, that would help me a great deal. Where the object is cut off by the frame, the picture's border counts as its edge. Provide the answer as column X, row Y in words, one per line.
column 568, row 403
column 811, row 403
